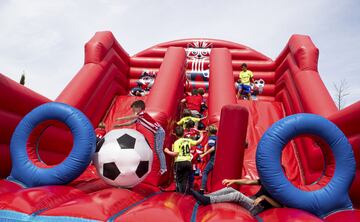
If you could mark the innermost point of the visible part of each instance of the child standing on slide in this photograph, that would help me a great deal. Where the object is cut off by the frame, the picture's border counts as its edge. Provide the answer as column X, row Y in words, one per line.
column 143, row 118
column 181, row 152
column 193, row 103
column 203, row 106
column 190, row 131
column 209, row 149
column 245, row 79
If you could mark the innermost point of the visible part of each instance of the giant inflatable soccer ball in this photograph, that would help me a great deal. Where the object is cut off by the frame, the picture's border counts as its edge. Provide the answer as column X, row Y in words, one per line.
column 123, row 158
column 260, row 83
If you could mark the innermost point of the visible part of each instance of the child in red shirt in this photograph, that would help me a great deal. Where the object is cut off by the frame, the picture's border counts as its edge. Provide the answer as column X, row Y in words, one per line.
column 203, row 106
column 143, row 118
column 190, row 131
column 193, row 103
column 195, row 151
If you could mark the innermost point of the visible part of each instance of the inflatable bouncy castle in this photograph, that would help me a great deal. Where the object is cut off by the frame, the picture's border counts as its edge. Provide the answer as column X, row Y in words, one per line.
column 46, row 146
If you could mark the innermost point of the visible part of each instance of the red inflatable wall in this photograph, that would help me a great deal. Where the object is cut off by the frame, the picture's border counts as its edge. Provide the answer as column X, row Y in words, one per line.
column 15, row 102
column 104, row 75
column 297, row 86
column 348, row 120
column 231, row 140
column 221, row 89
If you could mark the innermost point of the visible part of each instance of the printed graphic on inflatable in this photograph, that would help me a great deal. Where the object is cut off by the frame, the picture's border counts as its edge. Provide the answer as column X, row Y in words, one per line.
column 123, row 158
column 144, row 84
column 198, row 53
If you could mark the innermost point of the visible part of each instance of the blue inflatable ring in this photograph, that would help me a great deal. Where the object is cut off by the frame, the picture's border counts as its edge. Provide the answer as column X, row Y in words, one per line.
column 331, row 197
column 25, row 171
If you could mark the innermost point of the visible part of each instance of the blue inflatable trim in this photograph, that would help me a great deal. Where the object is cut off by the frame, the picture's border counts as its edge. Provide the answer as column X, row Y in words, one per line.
column 320, row 202
column 23, row 168
column 14, row 216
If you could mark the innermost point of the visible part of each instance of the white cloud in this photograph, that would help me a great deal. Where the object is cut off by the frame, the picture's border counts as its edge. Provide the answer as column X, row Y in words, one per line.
column 46, row 38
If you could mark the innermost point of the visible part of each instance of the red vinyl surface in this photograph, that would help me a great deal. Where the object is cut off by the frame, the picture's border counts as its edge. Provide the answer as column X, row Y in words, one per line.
column 101, row 90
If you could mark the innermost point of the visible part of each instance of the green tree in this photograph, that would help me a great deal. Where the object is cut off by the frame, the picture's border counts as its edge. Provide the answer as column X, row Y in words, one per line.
column 22, row 79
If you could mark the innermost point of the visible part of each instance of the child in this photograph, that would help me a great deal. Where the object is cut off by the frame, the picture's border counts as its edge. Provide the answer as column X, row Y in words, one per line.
column 190, row 132
column 186, row 117
column 261, row 201
column 203, row 106
column 209, row 149
column 181, row 152
column 100, row 131
column 193, row 103
column 245, row 80
column 143, row 118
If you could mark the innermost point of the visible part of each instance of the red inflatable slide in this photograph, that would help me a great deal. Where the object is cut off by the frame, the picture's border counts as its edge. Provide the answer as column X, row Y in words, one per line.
column 108, row 83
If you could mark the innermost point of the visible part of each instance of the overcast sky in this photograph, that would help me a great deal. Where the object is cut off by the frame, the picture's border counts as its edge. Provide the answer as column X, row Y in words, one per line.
column 46, row 38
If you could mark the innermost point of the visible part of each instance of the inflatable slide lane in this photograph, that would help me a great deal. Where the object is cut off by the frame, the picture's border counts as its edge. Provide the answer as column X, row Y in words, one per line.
column 87, row 157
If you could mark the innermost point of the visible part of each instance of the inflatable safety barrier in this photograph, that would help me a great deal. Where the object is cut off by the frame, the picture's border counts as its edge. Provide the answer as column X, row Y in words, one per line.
column 28, row 168
column 334, row 195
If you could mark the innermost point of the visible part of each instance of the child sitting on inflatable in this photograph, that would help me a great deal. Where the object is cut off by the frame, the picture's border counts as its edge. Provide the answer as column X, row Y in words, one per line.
column 257, row 203
column 245, row 80
column 181, row 152
column 193, row 103
column 209, row 149
column 143, row 118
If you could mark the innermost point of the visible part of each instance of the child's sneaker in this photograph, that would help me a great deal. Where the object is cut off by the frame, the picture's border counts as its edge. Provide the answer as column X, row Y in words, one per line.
column 256, row 210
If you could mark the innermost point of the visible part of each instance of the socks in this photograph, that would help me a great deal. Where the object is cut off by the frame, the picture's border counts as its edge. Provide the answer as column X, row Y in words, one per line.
column 204, row 200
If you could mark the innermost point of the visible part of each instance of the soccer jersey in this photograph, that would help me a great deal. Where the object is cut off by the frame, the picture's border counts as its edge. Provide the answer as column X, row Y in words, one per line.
column 191, row 133
column 194, row 102
column 212, row 144
column 184, row 120
column 148, row 122
column 183, row 147
column 245, row 77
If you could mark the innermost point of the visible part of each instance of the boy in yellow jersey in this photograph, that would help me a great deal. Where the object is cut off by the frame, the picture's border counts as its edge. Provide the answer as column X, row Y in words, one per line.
column 245, row 79
column 186, row 117
column 181, row 153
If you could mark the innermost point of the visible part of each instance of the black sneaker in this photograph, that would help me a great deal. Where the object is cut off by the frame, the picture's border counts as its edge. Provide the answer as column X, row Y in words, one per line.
column 256, row 210
column 201, row 199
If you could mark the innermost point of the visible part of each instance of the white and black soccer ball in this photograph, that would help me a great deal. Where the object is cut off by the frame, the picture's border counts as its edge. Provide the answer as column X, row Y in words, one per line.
column 260, row 83
column 123, row 158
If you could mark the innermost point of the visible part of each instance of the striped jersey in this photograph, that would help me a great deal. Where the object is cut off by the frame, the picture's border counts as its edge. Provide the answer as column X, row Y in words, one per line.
column 148, row 122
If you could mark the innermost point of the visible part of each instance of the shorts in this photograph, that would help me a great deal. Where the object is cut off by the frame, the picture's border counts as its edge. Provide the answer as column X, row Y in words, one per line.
column 244, row 89
column 195, row 113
